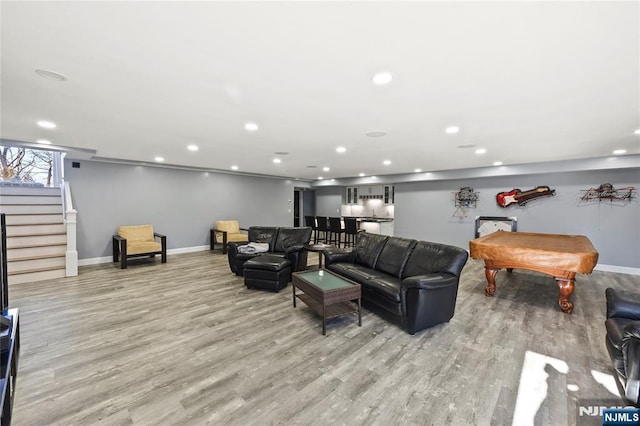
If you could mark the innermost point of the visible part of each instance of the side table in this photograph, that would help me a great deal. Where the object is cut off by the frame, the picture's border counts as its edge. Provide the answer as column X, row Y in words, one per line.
column 317, row 248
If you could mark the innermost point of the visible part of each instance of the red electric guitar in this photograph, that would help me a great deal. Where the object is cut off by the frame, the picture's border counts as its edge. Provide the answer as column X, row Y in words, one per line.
column 505, row 199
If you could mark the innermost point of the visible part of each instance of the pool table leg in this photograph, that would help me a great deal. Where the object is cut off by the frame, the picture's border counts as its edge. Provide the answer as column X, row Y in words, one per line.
column 566, row 290
column 490, row 273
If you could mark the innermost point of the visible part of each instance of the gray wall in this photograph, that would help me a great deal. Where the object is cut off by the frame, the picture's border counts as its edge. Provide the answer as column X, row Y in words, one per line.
column 329, row 200
column 423, row 210
column 181, row 204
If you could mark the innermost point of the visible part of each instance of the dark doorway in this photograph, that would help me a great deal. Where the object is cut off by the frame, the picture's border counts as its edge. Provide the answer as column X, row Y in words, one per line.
column 296, row 208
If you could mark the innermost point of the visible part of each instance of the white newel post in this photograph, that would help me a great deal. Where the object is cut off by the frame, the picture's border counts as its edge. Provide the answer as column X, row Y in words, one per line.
column 72, row 252
column 71, row 256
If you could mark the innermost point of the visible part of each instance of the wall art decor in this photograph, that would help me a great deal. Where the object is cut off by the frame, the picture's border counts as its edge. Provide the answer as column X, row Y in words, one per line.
column 463, row 200
column 607, row 192
column 517, row 196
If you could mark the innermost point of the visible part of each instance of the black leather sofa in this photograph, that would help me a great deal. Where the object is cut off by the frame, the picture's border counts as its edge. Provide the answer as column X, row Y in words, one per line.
column 283, row 241
column 416, row 281
column 623, row 340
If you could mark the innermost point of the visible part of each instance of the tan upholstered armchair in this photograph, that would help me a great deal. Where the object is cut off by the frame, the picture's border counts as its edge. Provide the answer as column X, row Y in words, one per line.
column 137, row 241
column 225, row 232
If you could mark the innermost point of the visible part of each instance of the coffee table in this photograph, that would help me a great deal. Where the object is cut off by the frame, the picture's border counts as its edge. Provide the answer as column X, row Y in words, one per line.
column 327, row 294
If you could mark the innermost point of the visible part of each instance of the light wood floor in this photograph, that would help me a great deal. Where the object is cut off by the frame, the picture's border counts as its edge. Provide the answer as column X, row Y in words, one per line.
column 186, row 343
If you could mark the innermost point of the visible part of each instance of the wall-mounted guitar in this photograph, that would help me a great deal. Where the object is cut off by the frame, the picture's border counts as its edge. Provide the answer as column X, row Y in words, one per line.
column 505, row 199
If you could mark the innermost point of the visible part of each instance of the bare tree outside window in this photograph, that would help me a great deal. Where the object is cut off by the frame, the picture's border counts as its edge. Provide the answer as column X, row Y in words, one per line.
column 25, row 165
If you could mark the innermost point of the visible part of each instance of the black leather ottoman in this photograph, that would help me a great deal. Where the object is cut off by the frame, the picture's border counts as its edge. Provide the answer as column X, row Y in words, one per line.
column 267, row 272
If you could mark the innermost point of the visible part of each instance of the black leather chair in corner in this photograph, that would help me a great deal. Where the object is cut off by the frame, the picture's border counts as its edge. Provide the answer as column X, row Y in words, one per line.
column 623, row 340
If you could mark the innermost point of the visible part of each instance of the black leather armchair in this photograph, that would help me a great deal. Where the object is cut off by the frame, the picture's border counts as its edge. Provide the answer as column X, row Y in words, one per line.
column 283, row 241
column 623, row 339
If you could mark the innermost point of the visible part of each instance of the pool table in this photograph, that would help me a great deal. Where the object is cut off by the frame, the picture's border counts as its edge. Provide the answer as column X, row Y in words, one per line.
column 561, row 256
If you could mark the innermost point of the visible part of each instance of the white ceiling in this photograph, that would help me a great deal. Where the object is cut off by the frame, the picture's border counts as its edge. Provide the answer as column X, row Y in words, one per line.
column 527, row 81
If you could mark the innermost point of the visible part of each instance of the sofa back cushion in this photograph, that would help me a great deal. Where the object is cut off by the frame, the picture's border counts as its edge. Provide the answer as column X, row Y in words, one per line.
column 394, row 255
column 137, row 233
column 368, row 248
column 263, row 234
column 429, row 258
column 288, row 237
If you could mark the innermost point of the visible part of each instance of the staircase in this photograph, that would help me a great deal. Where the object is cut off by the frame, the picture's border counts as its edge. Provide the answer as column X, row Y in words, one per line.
column 36, row 233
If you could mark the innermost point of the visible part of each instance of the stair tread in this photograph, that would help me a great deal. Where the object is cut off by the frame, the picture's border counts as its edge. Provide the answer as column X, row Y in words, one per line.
column 36, row 257
column 46, row 269
column 37, row 235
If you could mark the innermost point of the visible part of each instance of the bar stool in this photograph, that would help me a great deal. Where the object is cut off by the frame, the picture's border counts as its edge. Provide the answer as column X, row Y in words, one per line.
column 323, row 226
column 311, row 221
column 335, row 230
column 351, row 231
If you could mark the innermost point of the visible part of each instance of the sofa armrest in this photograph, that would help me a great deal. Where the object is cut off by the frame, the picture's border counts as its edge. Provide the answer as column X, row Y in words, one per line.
column 427, row 300
column 429, row 281
column 631, row 354
column 622, row 304
column 294, row 248
column 335, row 255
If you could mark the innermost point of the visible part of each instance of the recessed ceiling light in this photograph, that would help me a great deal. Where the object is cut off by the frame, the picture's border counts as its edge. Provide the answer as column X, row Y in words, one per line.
column 159, row 159
column 47, row 124
column 452, row 130
column 341, row 149
column 375, row 134
column 44, row 142
column 320, row 177
column 374, row 177
column 251, row 127
column 481, row 151
column 382, row 78
column 417, row 170
column 361, row 174
column 619, row 151
column 386, row 162
column 637, row 132
column 471, row 145
column 497, row 163
column 333, row 180
column 192, row 147
column 51, row 75
column 234, row 167
column 277, row 160
column 325, row 169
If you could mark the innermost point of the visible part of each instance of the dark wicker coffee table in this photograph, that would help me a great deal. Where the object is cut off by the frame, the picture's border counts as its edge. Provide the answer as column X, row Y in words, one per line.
column 327, row 294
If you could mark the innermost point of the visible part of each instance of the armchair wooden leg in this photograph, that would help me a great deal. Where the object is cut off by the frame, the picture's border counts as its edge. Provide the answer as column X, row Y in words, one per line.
column 163, row 241
column 212, row 240
column 224, row 243
column 123, row 254
column 116, row 250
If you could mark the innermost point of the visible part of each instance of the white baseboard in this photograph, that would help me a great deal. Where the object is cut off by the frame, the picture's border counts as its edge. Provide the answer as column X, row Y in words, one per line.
column 109, row 259
column 618, row 269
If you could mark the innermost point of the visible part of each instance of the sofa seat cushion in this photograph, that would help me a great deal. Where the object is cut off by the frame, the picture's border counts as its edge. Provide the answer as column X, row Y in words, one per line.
column 138, row 247
column 354, row 272
column 388, row 287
